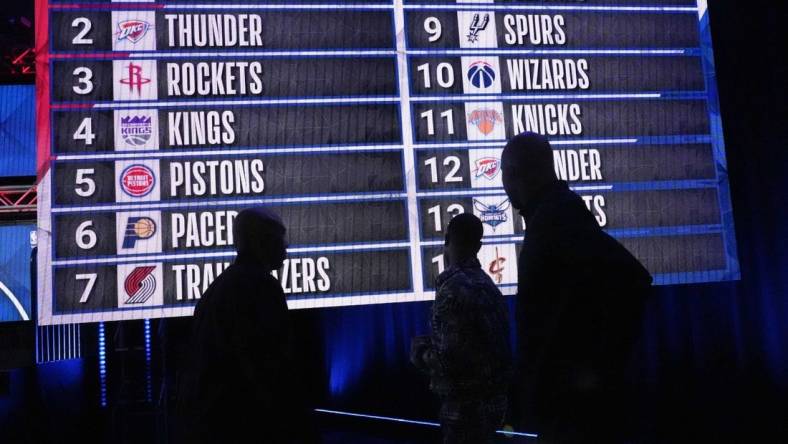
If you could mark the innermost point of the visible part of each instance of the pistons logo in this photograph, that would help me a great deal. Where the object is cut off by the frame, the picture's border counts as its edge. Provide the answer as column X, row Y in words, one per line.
column 132, row 30
column 137, row 180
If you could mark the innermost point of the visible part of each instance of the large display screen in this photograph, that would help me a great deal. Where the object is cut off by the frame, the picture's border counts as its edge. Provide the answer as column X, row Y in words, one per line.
column 367, row 125
column 15, row 301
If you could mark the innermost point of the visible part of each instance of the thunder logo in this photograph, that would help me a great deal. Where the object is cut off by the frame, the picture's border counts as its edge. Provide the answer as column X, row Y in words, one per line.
column 132, row 30
column 138, row 228
column 140, row 285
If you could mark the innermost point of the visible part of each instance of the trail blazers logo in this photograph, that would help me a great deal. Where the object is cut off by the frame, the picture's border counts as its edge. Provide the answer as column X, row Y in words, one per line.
column 139, row 285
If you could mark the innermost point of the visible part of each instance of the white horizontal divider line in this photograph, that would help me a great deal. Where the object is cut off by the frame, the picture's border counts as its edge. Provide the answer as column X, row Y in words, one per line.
column 229, row 152
column 279, row 6
column 578, row 51
column 213, row 203
column 472, row 98
column 169, row 257
column 247, row 102
column 557, row 8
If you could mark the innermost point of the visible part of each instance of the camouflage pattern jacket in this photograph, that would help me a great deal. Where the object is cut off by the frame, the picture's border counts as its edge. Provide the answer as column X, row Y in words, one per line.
column 469, row 355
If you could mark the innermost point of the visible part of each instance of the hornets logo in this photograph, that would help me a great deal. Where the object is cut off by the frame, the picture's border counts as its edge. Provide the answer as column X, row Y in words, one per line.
column 492, row 214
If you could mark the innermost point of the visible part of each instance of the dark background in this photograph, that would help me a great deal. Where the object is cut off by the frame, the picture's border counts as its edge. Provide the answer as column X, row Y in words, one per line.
column 712, row 362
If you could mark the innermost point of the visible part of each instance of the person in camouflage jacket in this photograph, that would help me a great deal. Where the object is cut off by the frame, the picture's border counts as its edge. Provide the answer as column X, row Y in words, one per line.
column 467, row 356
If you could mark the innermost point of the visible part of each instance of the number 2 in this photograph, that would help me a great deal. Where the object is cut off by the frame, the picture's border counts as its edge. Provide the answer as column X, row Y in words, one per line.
column 80, row 37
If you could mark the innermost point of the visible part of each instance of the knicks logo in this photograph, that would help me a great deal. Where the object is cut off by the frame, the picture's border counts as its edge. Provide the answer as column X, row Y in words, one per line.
column 132, row 30
column 140, row 285
column 487, row 167
column 135, row 78
column 138, row 228
column 137, row 180
column 485, row 120
column 481, row 74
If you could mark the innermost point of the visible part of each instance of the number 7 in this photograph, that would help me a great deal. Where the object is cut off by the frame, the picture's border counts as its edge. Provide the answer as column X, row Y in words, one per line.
column 91, row 278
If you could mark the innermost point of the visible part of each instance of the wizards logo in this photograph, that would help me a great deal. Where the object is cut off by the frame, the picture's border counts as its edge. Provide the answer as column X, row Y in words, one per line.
column 132, row 30
column 492, row 214
column 485, row 120
column 138, row 228
column 481, row 74
column 140, row 284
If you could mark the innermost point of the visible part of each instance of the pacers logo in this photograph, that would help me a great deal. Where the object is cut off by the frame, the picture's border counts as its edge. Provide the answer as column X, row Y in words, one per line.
column 137, row 180
column 481, row 74
column 138, row 228
column 140, row 285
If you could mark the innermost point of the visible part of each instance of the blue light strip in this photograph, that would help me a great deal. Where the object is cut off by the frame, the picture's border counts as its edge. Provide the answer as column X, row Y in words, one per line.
column 412, row 421
column 102, row 353
column 148, row 377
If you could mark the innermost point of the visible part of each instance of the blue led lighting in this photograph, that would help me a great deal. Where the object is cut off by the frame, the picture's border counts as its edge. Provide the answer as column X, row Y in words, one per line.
column 412, row 421
column 102, row 364
column 148, row 377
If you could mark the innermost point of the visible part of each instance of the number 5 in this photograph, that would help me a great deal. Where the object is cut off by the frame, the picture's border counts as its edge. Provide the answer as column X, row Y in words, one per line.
column 89, row 184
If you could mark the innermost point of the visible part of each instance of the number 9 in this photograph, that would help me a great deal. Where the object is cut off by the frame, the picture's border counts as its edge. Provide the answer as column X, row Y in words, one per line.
column 433, row 27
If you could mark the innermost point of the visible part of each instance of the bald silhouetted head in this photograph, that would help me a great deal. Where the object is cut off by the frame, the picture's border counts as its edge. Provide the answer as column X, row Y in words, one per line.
column 463, row 238
column 259, row 235
column 527, row 164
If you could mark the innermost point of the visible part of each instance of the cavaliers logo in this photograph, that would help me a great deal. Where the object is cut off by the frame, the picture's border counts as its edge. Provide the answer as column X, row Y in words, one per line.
column 132, row 30
column 496, row 267
column 137, row 180
column 140, row 285
column 485, row 120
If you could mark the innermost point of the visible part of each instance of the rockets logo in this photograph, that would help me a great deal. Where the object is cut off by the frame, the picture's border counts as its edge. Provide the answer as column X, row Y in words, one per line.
column 137, row 180
column 132, row 30
column 477, row 25
column 136, row 130
column 481, row 74
column 492, row 215
column 487, row 167
column 135, row 78
column 485, row 120
column 496, row 267
column 138, row 228
column 140, row 285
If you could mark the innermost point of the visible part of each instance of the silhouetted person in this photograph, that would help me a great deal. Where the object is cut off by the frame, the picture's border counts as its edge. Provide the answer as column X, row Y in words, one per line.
column 467, row 355
column 579, row 305
column 239, row 385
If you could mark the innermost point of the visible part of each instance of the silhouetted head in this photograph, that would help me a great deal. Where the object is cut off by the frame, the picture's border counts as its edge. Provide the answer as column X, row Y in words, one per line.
column 463, row 238
column 259, row 235
column 527, row 164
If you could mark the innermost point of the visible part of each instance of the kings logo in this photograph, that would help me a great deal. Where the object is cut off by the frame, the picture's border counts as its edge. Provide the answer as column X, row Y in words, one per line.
column 478, row 24
column 488, row 167
column 492, row 214
column 485, row 120
column 132, row 30
column 140, row 284
column 137, row 180
column 136, row 130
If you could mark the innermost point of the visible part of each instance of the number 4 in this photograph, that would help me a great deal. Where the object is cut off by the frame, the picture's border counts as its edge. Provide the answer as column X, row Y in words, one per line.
column 91, row 278
column 85, row 131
